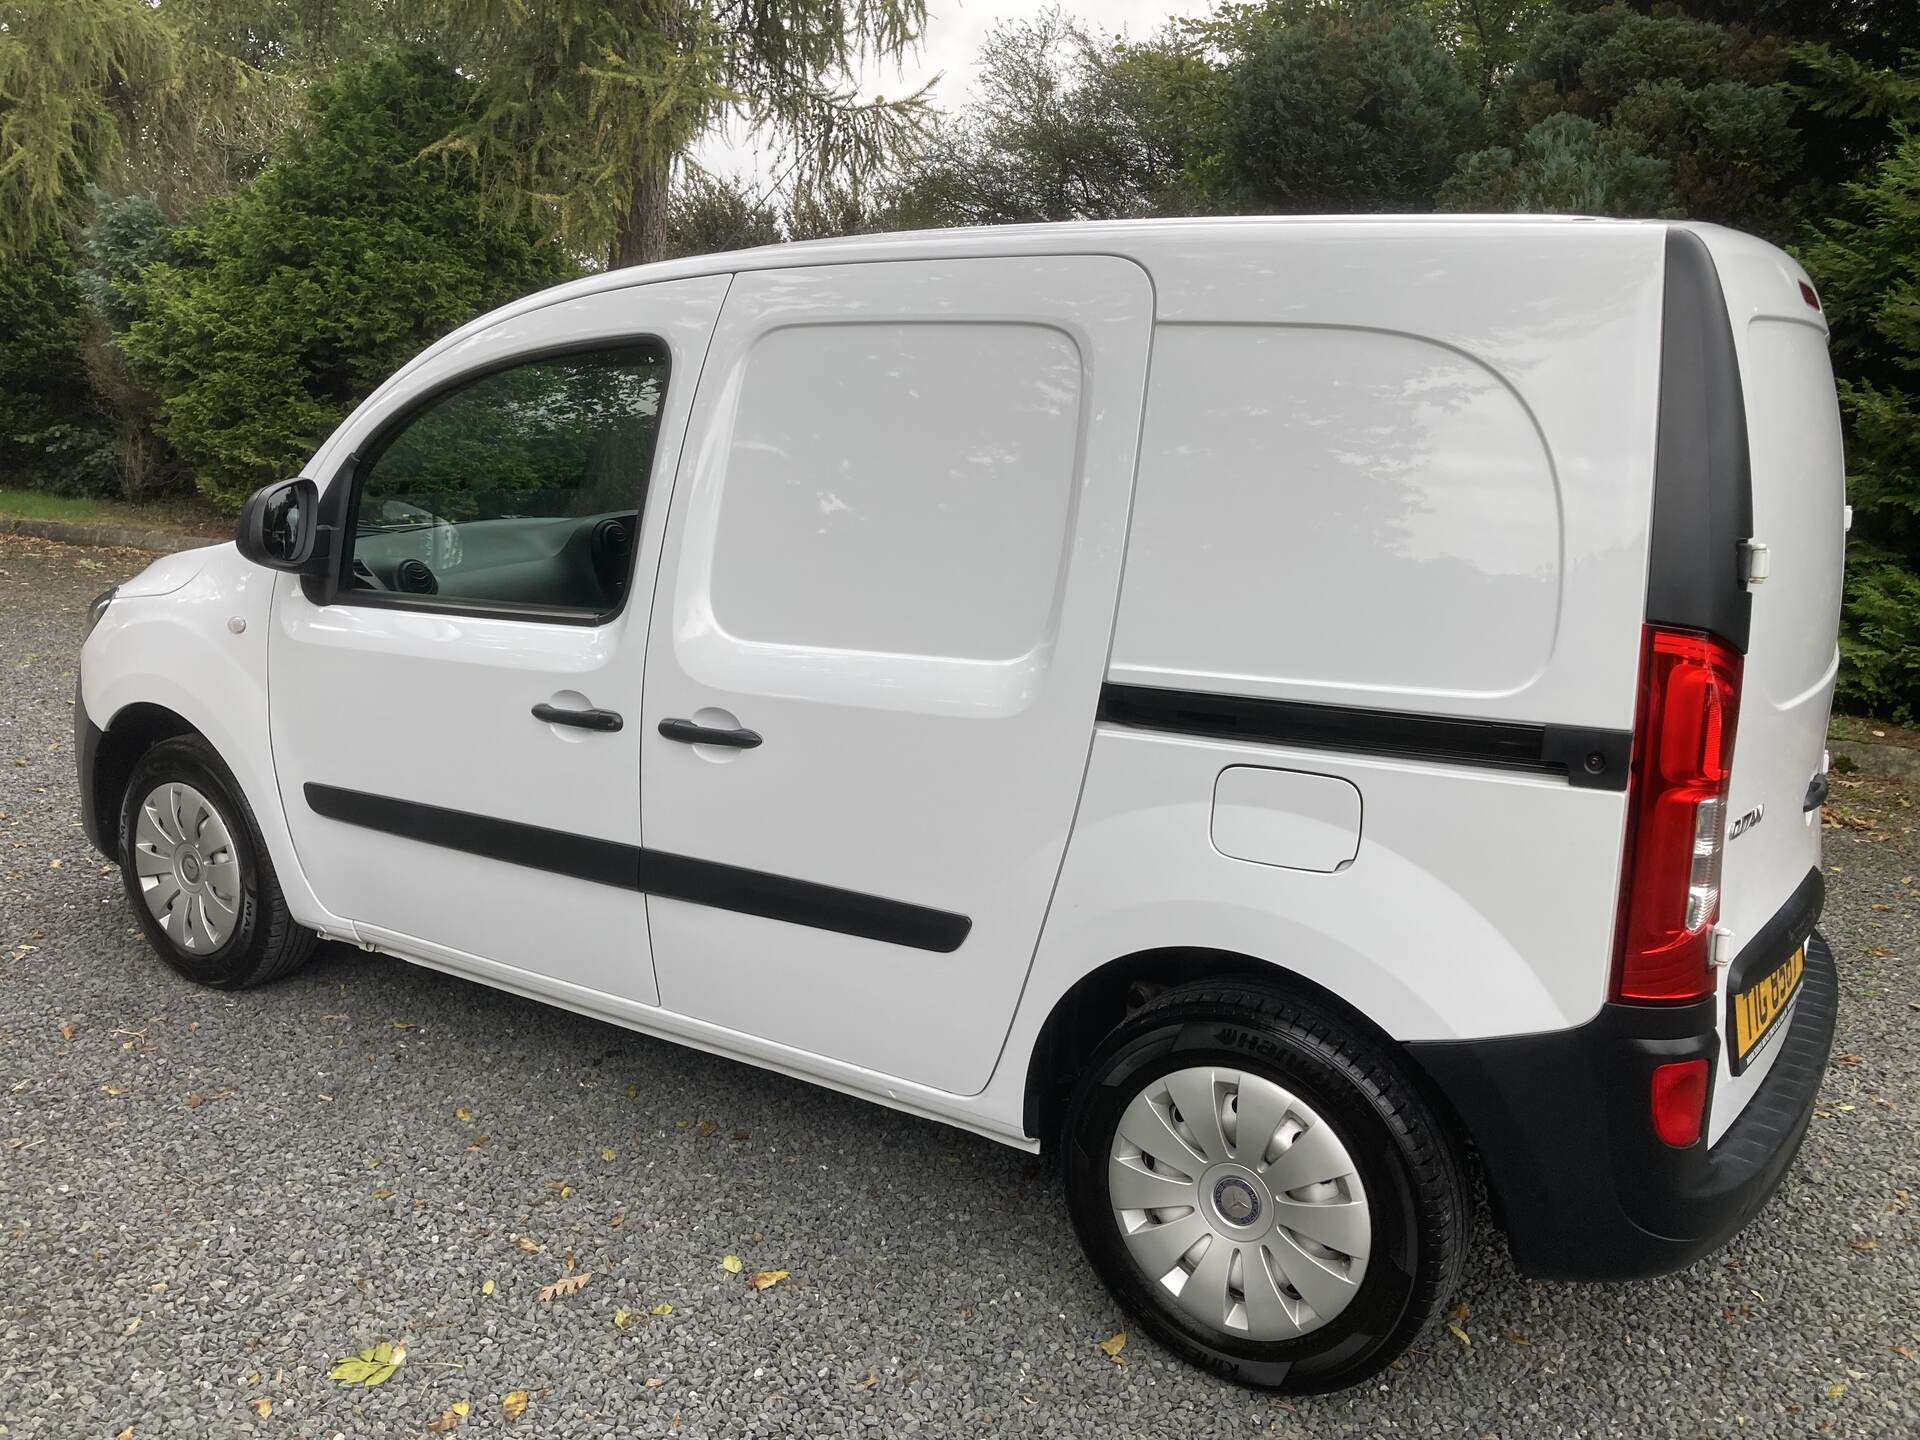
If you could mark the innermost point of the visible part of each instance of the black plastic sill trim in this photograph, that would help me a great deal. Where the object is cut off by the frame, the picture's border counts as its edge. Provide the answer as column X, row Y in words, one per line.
column 1589, row 759
column 653, row 872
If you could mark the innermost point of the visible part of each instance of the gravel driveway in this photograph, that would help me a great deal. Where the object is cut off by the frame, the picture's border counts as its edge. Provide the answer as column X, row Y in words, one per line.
column 205, row 1200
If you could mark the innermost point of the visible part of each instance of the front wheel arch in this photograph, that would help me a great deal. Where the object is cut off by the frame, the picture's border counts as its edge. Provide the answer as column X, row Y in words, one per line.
column 133, row 731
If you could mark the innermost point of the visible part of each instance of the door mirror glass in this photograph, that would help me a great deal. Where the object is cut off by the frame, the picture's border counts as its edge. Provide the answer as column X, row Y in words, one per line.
column 278, row 525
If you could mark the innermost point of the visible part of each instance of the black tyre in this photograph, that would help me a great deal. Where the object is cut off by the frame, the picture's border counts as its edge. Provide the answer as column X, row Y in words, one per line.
column 1263, row 1187
column 197, row 872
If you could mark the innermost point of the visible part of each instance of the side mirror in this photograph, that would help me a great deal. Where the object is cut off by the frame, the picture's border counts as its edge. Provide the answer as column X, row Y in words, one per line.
column 279, row 523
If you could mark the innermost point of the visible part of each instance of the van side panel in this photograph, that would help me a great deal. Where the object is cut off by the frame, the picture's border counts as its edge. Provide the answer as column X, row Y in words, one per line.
column 1413, row 486
column 1473, row 411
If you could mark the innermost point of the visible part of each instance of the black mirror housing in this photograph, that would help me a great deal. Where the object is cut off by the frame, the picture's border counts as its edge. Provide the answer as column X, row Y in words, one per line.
column 279, row 525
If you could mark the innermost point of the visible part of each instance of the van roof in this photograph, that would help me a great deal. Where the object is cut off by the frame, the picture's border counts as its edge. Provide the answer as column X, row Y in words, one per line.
column 1136, row 239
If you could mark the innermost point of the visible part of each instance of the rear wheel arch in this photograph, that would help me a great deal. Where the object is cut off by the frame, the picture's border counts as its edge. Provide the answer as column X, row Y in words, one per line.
column 1097, row 1002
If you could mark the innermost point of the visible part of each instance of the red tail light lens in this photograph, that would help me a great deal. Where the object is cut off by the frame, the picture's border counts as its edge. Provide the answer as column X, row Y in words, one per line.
column 1678, row 1101
column 1676, row 828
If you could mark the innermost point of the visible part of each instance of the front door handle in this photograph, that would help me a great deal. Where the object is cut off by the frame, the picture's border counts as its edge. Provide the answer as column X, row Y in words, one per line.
column 688, row 733
column 606, row 720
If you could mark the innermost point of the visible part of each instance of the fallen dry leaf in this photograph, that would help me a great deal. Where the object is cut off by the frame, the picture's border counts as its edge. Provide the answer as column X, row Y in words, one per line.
column 261, row 1406
column 1459, row 1334
column 873, row 1379
column 449, row 1417
column 1514, row 1337
column 731, row 1264
column 527, row 1243
column 479, row 1142
column 126, row 1434
column 486, row 1287
column 462, row 1114
column 513, row 1404
column 1864, row 1244
column 766, row 1279
column 67, row 1031
column 372, row 1366
column 622, row 1318
column 565, row 1286
column 708, row 1128
column 661, row 1309
column 653, row 1382
column 1836, row 1390
column 633, row 1092
column 607, row 1154
column 1113, row 1345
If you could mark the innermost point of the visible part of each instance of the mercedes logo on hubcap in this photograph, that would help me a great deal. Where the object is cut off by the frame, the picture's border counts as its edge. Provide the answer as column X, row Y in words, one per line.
column 190, row 867
column 1237, row 1201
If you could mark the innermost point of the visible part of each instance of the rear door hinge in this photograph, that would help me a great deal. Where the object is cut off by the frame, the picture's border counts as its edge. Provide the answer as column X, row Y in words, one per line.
column 1756, row 562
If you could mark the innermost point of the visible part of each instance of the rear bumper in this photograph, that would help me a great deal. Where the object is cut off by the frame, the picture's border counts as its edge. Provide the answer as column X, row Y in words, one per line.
column 1585, row 1188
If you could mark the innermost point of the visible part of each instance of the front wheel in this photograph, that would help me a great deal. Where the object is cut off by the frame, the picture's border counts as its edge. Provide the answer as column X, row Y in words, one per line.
column 197, row 873
column 1263, row 1187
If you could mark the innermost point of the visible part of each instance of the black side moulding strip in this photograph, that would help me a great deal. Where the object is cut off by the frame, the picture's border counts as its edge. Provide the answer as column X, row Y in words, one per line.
column 654, row 872
column 1588, row 758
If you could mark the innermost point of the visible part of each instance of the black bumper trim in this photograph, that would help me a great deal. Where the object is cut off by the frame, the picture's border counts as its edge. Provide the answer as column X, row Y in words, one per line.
column 86, row 750
column 1584, row 1187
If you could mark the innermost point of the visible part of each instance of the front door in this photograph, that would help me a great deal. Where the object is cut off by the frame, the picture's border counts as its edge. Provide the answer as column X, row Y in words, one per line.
column 878, row 642
column 456, row 715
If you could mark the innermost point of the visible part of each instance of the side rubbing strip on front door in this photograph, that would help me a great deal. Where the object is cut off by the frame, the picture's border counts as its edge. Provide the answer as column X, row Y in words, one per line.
column 654, row 872
column 1589, row 759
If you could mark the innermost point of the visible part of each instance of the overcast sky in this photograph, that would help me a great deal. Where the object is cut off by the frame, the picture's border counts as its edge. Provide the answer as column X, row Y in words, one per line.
column 955, row 29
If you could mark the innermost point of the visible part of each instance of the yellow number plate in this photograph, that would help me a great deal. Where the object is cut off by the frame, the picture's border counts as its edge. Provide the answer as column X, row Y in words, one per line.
column 1758, row 1008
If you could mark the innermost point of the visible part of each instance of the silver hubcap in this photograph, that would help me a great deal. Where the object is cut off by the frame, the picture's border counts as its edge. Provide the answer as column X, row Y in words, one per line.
column 188, row 871
column 1241, row 1202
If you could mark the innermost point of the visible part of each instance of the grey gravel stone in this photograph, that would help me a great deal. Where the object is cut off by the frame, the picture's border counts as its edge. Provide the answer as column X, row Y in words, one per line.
column 207, row 1199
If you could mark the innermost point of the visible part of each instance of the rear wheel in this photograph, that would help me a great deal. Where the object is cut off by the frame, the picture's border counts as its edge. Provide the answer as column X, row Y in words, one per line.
column 1263, row 1187
column 197, row 872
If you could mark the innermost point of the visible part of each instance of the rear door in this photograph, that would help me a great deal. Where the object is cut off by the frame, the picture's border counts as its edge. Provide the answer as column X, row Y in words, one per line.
column 881, row 628
column 1799, row 498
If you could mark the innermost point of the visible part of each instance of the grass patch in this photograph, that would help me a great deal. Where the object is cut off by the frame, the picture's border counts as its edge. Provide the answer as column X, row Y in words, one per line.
column 186, row 513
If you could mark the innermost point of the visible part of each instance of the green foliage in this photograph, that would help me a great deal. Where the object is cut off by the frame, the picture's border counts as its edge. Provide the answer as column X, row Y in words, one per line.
column 126, row 236
column 289, row 301
column 1704, row 99
column 122, row 93
column 1867, row 264
column 1487, row 37
column 51, row 437
column 1565, row 165
column 588, row 104
column 1349, row 111
column 1066, row 124
column 710, row 214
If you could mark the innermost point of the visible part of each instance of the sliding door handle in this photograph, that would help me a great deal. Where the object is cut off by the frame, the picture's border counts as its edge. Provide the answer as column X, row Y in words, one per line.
column 688, row 733
column 607, row 720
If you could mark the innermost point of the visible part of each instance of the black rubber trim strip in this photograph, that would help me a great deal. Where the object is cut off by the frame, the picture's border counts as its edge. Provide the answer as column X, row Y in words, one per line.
column 1589, row 759
column 1703, row 478
column 653, row 872
column 1785, row 933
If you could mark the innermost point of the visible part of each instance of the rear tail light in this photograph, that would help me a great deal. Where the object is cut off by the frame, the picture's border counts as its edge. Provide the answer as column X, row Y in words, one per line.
column 1676, row 826
column 1678, row 1101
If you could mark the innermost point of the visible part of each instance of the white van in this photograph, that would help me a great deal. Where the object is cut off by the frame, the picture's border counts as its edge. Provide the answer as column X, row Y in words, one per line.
column 1282, row 712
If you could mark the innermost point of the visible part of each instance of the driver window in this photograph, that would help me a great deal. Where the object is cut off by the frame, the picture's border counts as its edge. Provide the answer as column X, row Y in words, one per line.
column 523, row 487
